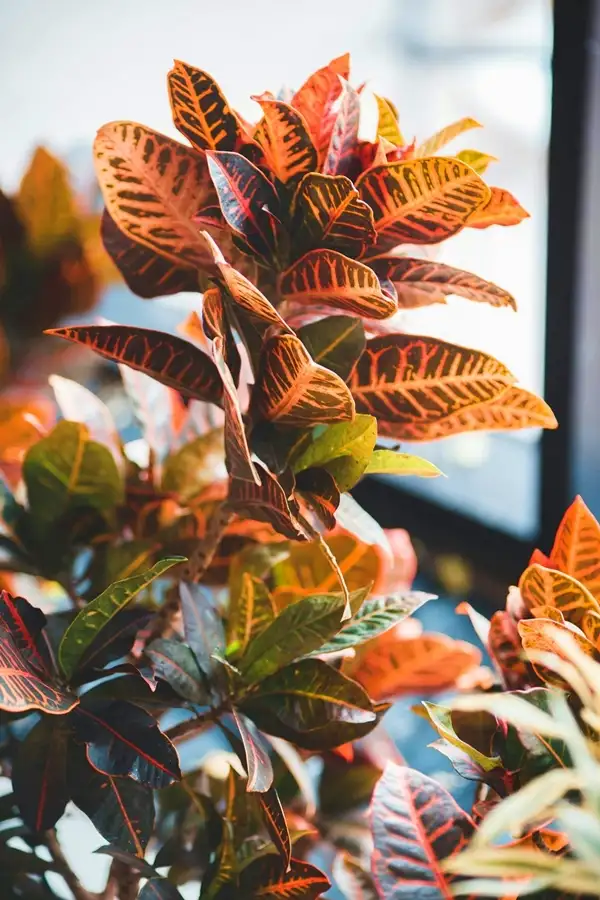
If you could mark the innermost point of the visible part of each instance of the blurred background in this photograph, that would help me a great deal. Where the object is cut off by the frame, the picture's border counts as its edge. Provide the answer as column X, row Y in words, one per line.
column 528, row 70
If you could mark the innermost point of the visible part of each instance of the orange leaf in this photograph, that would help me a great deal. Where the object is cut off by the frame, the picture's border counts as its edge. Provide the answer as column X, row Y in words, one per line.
column 393, row 665
column 417, row 381
column 505, row 649
column 152, row 188
column 328, row 214
column 542, row 636
column 501, row 209
column 293, row 390
column 548, row 587
column 513, row 409
column 332, row 279
column 421, row 201
column 420, row 282
column 576, row 549
column 200, row 111
column 285, row 141
column 315, row 100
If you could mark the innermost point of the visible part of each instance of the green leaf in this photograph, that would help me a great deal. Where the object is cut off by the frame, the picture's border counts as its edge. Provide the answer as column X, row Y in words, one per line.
column 311, row 704
column 388, row 462
column 476, row 159
column 376, row 616
column 90, row 621
column 66, row 471
column 204, row 633
column 194, row 466
column 344, row 449
column 442, row 720
column 336, row 342
column 250, row 612
column 298, row 629
column 176, row 664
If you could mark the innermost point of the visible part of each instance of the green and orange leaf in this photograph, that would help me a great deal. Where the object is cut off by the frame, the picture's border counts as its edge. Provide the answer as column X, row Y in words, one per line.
column 576, row 549
column 248, row 202
column 514, row 409
column 332, row 279
column 200, row 111
column 438, row 140
column 165, row 357
column 387, row 122
column 416, row 825
column 476, row 159
column 500, row 209
column 327, row 213
column 153, row 187
column 420, row 282
column 283, row 136
column 416, row 380
column 294, row 390
column 421, row 201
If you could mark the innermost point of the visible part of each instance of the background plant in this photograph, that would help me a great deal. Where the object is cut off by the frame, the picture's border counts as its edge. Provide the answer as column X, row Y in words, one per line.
column 218, row 568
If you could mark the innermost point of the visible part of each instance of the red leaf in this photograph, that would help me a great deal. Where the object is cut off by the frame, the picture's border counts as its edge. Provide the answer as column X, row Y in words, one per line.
column 344, row 135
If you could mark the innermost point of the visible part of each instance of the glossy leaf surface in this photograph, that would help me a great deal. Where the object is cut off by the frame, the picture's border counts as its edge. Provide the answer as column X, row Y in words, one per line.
column 200, row 111
column 328, row 213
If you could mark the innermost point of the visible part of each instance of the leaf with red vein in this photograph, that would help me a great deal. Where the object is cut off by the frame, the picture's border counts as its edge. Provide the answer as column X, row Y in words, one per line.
column 256, row 757
column 39, row 774
column 416, row 825
column 25, row 624
column 266, row 877
column 283, row 136
column 21, row 686
column 267, row 502
column 316, row 101
column 276, row 824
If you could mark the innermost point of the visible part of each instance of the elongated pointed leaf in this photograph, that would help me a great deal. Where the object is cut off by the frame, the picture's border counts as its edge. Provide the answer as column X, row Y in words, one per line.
column 421, row 201
column 159, row 889
column 123, row 739
column 121, row 809
column 171, row 360
column 99, row 612
column 298, row 630
column 335, row 342
column 294, row 390
column 543, row 636
column 251, row 610
column 247, row 199
column 350, row 442
column 332, row 279
column 482, row 725
column 476, row 159
column 258, row 761
column 420, row 282
column 267, row 877
column 146, row 272
column 200, row 110
column 547, row 587
column 116, row 639
column 22, row 687
column 344, row 136
column 376, row 616
column 576, row 549
column 319, row 491
column 39, row 774
column 328, row 213
column 238, row 457
column 312, row 705
column 176, row 664
column 387, row 122
column 416, row 825
column 152, row 187
column 438, row 140
column 514, row 409
column 316, row 101
column 395, row 665
column 504, row 645
column 266, row 502
column 46, row 204
column 283, row 136
column 203, row 629
column 25, row 624
column 389, row 462
column 407, row 378
column 501, row 209
column 78, row 404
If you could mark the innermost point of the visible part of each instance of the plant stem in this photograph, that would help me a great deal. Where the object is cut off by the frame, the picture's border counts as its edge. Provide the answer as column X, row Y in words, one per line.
column 63, row 868
column 191, row 727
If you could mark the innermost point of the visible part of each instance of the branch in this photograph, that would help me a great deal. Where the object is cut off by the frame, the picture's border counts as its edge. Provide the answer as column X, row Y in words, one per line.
column 194, row 726
column 63, row 868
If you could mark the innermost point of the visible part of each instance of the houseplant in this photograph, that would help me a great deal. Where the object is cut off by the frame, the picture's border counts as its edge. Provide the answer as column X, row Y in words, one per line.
column 290, row 231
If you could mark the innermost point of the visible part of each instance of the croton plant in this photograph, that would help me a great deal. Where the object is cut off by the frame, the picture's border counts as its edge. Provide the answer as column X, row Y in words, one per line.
column 212, row 586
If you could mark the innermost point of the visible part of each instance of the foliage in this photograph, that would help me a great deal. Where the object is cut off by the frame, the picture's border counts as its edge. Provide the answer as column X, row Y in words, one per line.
column 215, row 577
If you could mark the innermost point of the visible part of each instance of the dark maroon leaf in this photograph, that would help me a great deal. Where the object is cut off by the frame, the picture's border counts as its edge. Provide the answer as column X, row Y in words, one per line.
column 26, row 623
column 116, row 639
column 121, row 809
column 137, row 864
column 266, row 502
column 319, row 491
column 266, row 877
column 256, row 757
column 39, row 774
column 123, row 739
column 276, row 824
column 416, row 825
column 204, row 634
column 177, row 665
column 159, row 889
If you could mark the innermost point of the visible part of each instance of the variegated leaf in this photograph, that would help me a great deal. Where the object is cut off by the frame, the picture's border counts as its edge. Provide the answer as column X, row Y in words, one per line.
column 328, row 213
column 283, row 136
column 200, row 111
column 387, row 122
column 152, row 187
column 316, row 100
column 547, row 587
column 344, row 136
column 293, row 390
column 500, row 209
column 576, row 549
column 332, row 279
column 421, row 201
column 408, row 379
column 438, row 140
column 476, row 159
column 266, row 502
